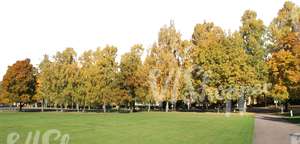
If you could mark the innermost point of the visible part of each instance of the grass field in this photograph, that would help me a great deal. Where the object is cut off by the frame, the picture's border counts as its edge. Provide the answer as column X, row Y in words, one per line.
column 295, row 119
column 135, row 128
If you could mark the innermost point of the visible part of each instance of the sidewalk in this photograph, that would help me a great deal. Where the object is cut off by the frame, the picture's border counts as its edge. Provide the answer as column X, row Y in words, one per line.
column 271, row 129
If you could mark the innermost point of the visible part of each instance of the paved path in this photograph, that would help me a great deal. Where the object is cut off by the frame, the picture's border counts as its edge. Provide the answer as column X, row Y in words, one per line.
column 270, row 129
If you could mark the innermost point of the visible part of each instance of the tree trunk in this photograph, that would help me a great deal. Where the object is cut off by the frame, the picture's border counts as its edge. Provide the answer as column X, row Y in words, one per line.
column 149, row 107
column 50, row 105
column 286, row 106
column 189, row 104
column 21, row 106
column 131, row 109
column 132, row 105
column 167, row 106
column 104, row 108
column 228, row 106
column 249, row 100
column 55, row 107
column 10, row 106
column 84, row 105
column 77, row 107
column 265, row 101
column 61, row 108
column 174, row 106
column 117, row 107
column 66, row 105
column 42, row 108
column 245, row 107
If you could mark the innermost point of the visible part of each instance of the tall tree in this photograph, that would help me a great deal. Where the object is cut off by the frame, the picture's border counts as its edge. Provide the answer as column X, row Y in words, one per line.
column 284, row 73
column 44, row 82
column 87, row 78
column 207, row 55
column 221, row 63
column 106, row 75
column 187, row 90
column 129, row 70
column 284, row 60
column 166, row 72
column 287, row 21
column 19, row 82
column 253, row 34
column 64, row 71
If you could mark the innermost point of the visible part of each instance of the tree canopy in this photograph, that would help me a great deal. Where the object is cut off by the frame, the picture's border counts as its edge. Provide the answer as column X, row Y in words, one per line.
column 215, row 66
column 19, row 82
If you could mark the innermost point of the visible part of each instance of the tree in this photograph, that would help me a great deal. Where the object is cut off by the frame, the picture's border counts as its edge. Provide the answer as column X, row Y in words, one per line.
column 221, row 67
column 287, row 21
column 87, row 78
column 187, row 88
column 143, row 91
column 121, row 96
column 207, row 54
column 241, row 76
column 106, row 75
column 165, row 70
column 3, row 95
column 283, row 70
column 284, row 67
column 150, row 82
column 44, row 82
column 253, row 35
column 284, row 58
column 19, row 82
column 129, row 71
column 64, row 77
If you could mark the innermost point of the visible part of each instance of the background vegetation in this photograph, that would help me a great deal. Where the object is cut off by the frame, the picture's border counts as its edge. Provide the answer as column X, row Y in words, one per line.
column 213, row 67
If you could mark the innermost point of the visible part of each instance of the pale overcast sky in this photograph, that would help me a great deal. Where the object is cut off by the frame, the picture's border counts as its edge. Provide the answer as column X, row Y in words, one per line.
column 32, row 28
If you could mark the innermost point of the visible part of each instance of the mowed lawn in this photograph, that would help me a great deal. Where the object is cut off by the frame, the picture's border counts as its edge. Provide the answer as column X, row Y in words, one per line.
column 134, row 128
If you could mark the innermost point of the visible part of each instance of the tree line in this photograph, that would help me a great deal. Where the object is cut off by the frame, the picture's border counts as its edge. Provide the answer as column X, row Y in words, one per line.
column 213, row 67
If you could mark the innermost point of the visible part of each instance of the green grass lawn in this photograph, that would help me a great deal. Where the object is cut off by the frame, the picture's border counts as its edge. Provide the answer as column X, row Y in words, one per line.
column 135, row 128
column 295, row 119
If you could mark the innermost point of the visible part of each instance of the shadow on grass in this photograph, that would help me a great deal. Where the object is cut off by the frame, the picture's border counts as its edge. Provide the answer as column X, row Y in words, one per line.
column 295, row 119
column 279, row 118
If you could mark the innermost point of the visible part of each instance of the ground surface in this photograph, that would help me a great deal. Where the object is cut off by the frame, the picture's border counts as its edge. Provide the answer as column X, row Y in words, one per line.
column 272, row 129
column 136, row 128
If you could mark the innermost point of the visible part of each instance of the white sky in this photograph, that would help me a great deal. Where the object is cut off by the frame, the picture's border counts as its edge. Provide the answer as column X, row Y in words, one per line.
column 32, row 28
